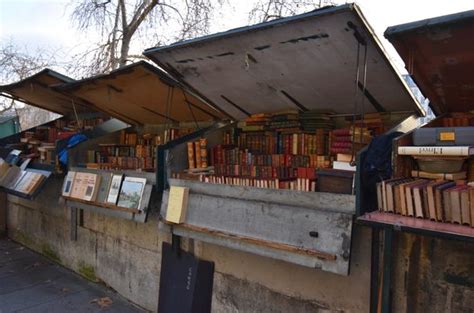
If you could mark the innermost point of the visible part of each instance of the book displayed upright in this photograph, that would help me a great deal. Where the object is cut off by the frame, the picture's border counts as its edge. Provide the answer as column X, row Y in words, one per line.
column 68, row 181
column 177, row 204
column 114, row 188
column 131, row 192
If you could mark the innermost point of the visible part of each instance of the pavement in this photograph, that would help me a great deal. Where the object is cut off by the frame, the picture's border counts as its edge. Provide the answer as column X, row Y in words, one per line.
column 30, row 282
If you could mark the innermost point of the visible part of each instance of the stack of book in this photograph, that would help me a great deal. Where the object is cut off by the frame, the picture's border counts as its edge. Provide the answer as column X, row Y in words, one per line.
column 287, row 120
column 314, row 120
column 441, row 200
column 40, row 143
column 256, row 122
column 197, row 154
column 349, row 140
column 376, row 123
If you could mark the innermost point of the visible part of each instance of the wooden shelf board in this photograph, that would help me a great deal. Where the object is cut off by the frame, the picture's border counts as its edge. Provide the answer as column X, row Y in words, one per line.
column 417, row 225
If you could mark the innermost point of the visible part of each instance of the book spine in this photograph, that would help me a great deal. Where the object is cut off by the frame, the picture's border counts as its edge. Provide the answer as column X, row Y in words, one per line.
column 433, row 151
column 191, row 163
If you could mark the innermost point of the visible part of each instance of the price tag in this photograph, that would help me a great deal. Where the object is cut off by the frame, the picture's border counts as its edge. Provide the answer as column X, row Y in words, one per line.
column 447, row 136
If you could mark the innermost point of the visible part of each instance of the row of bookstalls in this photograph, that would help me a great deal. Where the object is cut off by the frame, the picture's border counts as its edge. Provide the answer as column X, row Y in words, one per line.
column 272, row 139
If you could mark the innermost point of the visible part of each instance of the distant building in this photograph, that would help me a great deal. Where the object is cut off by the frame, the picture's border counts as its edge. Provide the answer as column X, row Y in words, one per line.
column 425, row 102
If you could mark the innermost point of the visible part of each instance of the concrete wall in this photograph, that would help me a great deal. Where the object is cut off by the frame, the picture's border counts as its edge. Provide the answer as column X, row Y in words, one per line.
column 126, row 256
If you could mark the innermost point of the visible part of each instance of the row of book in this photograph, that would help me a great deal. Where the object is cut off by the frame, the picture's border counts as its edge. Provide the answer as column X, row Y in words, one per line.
column 252, row 171
column 283, row 142
column 300, row 184
column 234, row 156
column 118, row 150
column 107, row 188
column 124, row 163
column 438, row 200
column 197, row 154
column 349, row 140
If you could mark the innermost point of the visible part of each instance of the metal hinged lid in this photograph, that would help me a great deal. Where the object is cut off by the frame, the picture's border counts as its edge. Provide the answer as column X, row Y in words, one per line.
column 439, row 54
column 303, row 62
column 140, row 93
column 36, row 91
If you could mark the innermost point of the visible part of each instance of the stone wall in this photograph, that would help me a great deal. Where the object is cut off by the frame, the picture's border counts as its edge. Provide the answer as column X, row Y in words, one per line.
column 127, row 256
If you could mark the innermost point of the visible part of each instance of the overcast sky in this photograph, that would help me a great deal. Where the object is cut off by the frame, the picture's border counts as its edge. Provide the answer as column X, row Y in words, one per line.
column 45, row 23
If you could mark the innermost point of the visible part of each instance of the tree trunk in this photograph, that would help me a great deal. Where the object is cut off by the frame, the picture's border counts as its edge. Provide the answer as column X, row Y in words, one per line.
column 124, row 50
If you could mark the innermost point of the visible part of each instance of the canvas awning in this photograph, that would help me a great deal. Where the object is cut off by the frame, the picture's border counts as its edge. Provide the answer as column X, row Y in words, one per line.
column 439, row 54
column 141, row 93
column 304, row 62
column 36, row 91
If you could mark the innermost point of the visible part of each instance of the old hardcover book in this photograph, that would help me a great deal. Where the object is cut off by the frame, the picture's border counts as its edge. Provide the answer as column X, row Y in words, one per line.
column 203, row 148
column 67, row 185
column 197, row 153
column 443, row 136
column 447, row 213
column 177, row 204
column 471, row 204
column 455, row 196
column 436, row 151
column 378, row 187
column 403, row 200
column 191, row 163
column 450, row 176
column 439, row 199
column 408, row 188
column 390, row 194
column 431, row 214
column 384, row 191
column 418, row 198
column 465, row 207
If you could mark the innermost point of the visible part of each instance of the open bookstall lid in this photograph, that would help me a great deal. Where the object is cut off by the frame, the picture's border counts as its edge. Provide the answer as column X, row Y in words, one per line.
column 304, row 62
column 140, row 93
column 36, row 91
column 439, row 54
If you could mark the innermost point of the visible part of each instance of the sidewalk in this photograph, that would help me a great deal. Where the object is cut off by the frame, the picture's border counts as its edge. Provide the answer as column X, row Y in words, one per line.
column 31, row 283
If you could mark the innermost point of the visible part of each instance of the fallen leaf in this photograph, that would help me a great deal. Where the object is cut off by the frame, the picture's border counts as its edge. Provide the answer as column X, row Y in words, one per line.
column 102, row 302
column 64, row 289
